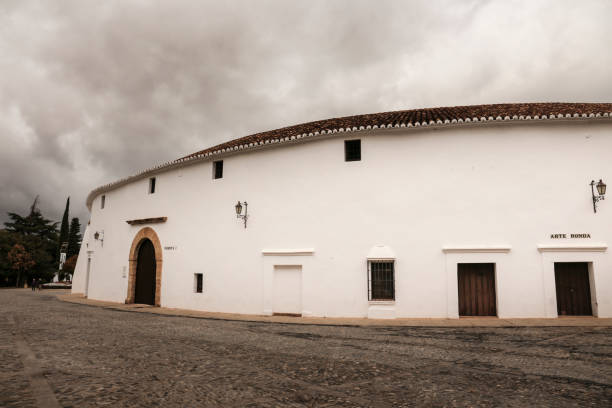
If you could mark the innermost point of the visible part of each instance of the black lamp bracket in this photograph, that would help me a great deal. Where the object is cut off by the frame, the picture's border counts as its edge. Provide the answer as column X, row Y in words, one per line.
column 596, row 198
column 244, row 216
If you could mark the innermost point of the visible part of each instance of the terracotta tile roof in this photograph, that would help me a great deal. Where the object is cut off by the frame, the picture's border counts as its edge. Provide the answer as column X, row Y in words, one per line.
column 415, row 117
column 406, row 118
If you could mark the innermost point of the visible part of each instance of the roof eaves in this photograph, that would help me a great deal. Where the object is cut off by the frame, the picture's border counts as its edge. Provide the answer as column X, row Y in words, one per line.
column 217, row 150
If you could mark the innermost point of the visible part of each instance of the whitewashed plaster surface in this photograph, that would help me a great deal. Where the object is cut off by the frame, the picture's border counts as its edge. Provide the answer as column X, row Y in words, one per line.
column 432, row 197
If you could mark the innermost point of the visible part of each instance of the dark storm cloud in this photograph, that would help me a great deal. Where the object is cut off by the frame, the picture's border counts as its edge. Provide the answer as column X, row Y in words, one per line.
column 93, row 91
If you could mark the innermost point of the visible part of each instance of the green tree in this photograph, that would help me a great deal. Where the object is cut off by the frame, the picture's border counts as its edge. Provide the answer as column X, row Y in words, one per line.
column 38, row 236
column 74, row 238
column 7, row 273
column 21, row 261
column 64, row 232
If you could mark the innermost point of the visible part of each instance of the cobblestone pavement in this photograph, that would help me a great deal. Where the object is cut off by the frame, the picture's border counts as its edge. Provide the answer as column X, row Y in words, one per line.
column 91, row 356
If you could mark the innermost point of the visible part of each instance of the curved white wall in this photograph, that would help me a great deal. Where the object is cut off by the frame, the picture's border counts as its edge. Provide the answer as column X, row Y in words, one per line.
column 485, row 193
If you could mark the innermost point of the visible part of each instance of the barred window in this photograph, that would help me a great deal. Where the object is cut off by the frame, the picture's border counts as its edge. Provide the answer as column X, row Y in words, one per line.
column 381, row 280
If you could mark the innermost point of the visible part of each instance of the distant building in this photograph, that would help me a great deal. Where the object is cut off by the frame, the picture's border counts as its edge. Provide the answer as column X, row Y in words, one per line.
column 471, row 210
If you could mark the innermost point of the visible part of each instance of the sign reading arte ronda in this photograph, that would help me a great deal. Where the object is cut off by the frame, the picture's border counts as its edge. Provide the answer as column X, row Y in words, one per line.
column 559, row 236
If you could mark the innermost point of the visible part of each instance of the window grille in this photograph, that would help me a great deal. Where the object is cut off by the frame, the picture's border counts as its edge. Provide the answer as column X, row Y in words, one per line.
column 352, row 150
column 198, row 277
column 152, row 185
column 381, row 280
column 218, row 169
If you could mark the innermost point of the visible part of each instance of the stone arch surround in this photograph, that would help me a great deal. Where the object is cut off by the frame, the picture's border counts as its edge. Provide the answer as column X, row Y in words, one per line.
column 150, row 234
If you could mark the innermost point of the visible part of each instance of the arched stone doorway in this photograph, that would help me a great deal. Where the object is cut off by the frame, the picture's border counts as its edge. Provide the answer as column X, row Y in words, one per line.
column 144, row 281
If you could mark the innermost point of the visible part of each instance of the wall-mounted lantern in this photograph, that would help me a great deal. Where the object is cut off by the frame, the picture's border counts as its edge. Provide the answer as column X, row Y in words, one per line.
column 239, row 212
column 99, row 236
column 601, row 192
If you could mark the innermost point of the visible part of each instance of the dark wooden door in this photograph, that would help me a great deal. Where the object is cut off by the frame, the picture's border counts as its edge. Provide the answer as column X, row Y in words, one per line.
column 145, row 274
column 573, row 289
column 476, row 289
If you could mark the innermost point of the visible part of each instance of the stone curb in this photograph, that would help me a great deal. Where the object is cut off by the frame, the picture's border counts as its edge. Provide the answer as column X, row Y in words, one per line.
column 327, row 321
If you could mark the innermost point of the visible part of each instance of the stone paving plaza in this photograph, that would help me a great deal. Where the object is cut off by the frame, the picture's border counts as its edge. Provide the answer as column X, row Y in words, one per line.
column 54, row 353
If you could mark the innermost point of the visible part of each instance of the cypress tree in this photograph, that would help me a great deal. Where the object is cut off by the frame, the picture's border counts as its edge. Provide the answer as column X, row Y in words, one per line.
column 64, row 232
column 74, row 238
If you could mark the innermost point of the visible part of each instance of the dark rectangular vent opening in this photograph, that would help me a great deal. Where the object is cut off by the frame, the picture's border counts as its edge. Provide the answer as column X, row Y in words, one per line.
column 352, row 150
column 218, row 169
column 199, row 278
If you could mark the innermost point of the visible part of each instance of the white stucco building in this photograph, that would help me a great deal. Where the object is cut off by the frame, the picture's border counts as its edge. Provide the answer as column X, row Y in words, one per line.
column 474, row 210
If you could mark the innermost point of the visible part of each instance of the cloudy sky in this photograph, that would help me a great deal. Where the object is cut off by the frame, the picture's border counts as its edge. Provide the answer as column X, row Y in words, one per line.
column 92, row 91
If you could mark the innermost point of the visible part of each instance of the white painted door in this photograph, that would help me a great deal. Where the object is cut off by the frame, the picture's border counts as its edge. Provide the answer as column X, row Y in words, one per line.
column 287, row 293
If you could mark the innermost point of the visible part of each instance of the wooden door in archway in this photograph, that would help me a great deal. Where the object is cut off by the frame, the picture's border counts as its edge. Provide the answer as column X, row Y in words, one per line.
column 145, row 274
